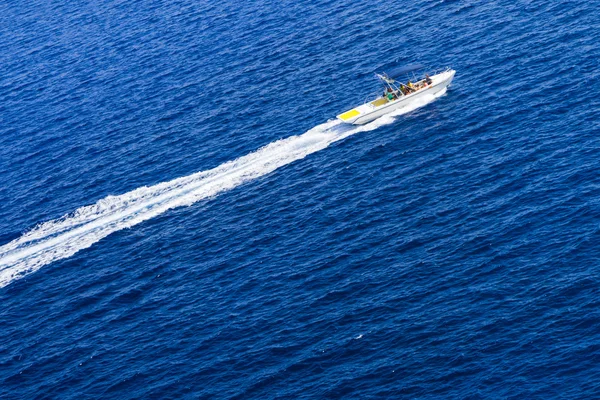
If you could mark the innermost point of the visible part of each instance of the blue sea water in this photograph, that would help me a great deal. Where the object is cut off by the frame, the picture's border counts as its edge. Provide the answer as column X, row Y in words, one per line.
column 182, row 217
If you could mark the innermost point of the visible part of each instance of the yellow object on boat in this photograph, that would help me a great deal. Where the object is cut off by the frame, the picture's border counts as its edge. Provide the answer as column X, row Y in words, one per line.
column 380, row 102
column 349, row 114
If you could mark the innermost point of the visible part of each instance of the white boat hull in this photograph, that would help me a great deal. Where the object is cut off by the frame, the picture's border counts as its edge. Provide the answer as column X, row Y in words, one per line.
column 368, row 112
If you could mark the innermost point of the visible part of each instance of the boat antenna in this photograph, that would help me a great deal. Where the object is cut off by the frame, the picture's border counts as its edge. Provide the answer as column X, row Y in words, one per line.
column 385, row 78
column 388, row 82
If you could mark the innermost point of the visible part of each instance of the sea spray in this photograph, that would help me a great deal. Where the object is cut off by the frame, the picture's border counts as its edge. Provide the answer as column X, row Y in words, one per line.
column 63, row 237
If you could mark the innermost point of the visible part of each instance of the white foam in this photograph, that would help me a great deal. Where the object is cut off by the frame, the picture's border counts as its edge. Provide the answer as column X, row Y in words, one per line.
column 63, row 237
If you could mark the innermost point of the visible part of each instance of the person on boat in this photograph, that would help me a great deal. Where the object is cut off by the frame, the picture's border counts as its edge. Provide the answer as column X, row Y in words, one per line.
column 411, row 87
column 428, row 80
column 389, row 94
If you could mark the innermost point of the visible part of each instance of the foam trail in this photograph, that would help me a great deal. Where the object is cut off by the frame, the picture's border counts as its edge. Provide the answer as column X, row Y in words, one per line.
column 63, row 237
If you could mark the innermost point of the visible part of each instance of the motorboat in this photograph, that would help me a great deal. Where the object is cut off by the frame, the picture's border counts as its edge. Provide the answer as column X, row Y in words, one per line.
column 397, row 94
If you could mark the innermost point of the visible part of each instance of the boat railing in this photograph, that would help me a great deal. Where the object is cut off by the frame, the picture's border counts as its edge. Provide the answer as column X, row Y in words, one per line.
column 440, row 70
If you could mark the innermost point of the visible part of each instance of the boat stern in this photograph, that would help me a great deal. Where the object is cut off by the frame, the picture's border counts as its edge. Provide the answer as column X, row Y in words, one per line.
column 349, row 116
column 357, row 115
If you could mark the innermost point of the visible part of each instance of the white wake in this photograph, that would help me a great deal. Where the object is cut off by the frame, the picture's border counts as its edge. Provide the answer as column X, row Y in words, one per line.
column 63, row 237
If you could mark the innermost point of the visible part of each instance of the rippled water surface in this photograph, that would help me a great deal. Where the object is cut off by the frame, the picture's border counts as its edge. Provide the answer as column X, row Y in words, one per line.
column 181, row 216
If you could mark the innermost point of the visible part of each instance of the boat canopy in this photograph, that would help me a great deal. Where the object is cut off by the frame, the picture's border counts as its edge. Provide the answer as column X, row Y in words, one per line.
column 399, row 71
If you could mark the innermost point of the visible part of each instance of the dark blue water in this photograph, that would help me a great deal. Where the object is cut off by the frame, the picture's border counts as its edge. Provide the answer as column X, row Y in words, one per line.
column 450, row 252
